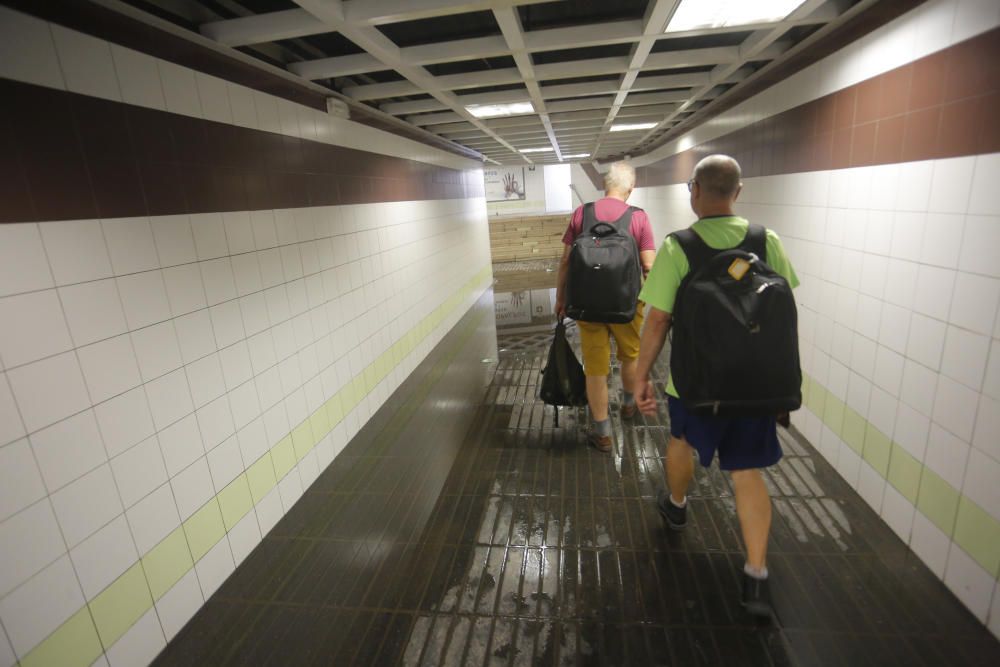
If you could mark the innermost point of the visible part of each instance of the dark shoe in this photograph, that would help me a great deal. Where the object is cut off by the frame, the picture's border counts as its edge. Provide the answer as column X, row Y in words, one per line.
column 628, row 411
column 674, row 516
column 756, row 596
column 601, row 443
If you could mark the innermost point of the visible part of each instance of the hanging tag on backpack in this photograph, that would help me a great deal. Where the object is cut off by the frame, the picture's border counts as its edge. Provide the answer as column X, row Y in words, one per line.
column 739, row 268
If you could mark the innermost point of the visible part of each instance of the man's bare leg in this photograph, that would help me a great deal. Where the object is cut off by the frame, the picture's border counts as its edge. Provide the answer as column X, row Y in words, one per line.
column 679, row 469
column 753, row 506
column 597, row 397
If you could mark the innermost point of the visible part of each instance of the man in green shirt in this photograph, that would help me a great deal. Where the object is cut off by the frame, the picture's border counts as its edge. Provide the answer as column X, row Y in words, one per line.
column 744, row 444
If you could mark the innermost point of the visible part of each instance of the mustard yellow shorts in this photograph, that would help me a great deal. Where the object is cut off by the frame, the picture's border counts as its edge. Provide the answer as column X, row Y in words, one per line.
column 595, row 341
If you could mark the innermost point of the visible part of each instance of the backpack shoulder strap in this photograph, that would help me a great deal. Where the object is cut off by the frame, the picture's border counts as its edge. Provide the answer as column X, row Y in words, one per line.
column 756, row 241
column 624, row 221
column 695, row 249
column 589, row 218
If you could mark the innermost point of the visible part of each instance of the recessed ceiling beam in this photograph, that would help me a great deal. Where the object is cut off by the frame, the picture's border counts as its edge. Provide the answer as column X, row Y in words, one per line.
column 378, row 45
column 301, row 23
column 752, row 48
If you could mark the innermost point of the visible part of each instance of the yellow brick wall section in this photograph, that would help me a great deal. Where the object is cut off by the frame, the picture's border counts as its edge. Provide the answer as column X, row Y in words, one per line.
column 529, row 237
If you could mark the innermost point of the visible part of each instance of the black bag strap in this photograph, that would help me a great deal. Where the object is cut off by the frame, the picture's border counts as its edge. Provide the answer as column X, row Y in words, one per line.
column 624, row 221
column 698, row 252
column 589, row 218
column 695, row 249
column 756, row 241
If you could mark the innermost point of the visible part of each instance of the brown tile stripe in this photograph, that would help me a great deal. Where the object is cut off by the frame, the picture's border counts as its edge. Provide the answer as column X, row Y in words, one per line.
column 854, row 28
column 67, row 156
column 111, row 26
column 944, row 105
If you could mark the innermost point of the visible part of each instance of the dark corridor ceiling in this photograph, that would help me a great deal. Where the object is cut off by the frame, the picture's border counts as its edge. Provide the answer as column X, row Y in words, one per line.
column 584, row 65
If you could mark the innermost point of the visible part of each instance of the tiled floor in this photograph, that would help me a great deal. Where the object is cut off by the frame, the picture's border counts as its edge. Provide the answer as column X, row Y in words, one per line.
column 462, row 528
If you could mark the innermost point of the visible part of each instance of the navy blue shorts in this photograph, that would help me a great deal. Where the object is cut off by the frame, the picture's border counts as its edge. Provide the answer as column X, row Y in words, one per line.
column 742, row 442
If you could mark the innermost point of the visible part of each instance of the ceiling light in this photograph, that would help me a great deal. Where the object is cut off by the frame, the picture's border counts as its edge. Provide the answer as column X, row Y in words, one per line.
column 576, row 155
column 694, row 14
column 494, row 110
column 548, row 149
column 628, row 127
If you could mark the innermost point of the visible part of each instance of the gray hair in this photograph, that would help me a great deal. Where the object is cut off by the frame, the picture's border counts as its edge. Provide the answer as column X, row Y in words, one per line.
column 718, row 176
column 620, row 177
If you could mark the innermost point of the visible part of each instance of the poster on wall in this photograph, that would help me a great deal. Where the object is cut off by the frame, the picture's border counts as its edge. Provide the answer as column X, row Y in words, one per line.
column 512, row 308
column 504, row 183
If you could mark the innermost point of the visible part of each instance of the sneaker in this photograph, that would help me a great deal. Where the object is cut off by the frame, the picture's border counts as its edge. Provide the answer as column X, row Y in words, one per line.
column 628, row 411
column 756, row 597
column 601, row 443
column 674, row 516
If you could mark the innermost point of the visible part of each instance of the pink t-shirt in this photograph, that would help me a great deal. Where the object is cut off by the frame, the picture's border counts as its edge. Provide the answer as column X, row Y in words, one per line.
column 610, row 209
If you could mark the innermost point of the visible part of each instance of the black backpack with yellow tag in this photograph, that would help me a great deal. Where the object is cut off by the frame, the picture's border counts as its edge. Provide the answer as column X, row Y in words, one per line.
column 734, row 347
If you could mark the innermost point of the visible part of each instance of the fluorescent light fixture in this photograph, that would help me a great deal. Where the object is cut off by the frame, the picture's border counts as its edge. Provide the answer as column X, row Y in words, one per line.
column 575, row 155
column 495, row 110
column 695, row 14
column 548, row 149
column 628, row 127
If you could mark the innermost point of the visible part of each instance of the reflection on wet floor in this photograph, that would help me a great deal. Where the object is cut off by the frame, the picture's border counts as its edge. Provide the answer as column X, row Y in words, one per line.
column 532, row 549
column 525, row 274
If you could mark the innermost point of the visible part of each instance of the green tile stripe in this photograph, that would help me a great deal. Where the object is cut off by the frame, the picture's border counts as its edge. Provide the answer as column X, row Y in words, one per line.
column 167, row 562
column 93, row 629
column 74, row 644
column 956, row 515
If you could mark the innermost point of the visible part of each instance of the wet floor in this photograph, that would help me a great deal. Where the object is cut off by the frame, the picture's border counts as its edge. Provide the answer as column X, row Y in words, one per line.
column 462, row 527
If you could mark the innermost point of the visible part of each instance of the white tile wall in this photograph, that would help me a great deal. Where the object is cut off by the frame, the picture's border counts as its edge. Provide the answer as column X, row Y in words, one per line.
column 104, row 556
column 87, row 504
column 140, row 645
column 130, row 358
column 93, row 311
column 40, row 605
column 138, row 77
column 20, row 480
column 214, row 567
column 69, row 449
column 141, row 402
column 77, row 251
column 153, row 518
column 27, row 52
column 179, row 604
column 86, row 64
column 35, row 327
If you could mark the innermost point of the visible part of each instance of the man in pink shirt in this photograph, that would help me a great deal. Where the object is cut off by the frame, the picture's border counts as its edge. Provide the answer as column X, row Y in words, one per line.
column 595, row 337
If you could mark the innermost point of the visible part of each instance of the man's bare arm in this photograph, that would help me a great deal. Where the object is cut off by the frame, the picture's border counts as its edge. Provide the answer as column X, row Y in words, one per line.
column 654, row 335
column 561, row 283
column 646, row 258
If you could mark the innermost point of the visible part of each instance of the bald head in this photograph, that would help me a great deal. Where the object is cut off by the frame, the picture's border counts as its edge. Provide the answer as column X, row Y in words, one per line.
column 718, row 176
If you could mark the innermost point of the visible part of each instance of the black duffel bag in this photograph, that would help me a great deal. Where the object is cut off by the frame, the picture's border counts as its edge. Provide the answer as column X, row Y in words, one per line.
column 563, row 381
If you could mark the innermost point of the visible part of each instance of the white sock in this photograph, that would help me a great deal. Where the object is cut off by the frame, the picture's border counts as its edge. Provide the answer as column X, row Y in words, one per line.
column 676, row 504
column 756, row 573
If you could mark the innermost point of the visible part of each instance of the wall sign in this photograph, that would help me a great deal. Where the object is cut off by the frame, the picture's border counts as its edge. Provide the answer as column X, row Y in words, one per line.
column 504, row 183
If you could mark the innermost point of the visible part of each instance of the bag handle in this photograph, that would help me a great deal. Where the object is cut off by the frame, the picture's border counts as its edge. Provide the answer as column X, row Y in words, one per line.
column 603, row 229
column 590, row 221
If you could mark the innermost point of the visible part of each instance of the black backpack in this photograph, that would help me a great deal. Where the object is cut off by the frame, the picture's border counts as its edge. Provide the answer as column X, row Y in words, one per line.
column 604, row 271
column 734, row 349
